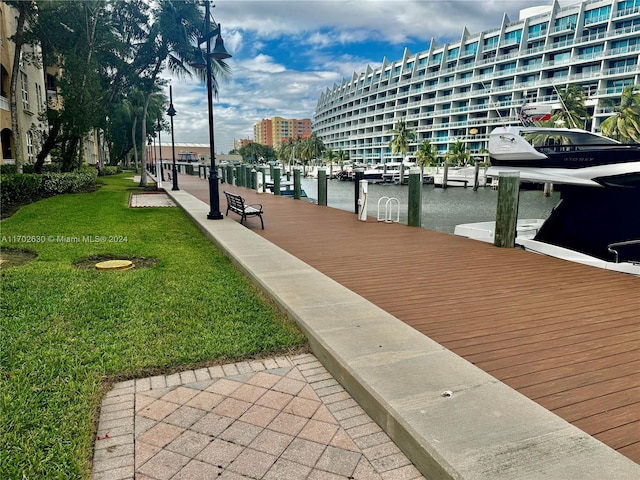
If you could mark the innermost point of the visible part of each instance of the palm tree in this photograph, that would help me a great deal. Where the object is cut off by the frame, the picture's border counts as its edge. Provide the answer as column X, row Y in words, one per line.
column 309, row 149
column 305, row 154
column 284, row 152
column 574, row 111
column 329, row 156
column 458, row 152
column 170, row 41
column 427, row 154
column 400, row 142
column 341, row 157
column 624, row 124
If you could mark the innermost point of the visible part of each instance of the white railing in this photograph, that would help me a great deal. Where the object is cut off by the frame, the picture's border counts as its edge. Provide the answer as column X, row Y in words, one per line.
column 4, row 103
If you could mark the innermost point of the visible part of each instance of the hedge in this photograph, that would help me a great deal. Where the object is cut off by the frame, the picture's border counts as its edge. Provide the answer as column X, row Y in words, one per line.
column 17, row 189
column 110, row 170
column 20, row 188
column 78, row 181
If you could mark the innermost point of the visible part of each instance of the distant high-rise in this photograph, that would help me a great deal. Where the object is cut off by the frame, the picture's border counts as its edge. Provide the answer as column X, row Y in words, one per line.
column 274, row 131
column 463, row 89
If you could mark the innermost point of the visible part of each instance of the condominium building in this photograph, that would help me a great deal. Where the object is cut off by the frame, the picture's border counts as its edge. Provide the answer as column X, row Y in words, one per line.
column 274, row 131
column 242, row 142
column 461, row 90
column 30, row 93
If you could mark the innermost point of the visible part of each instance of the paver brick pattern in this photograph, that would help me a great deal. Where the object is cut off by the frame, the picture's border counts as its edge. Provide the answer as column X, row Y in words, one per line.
column 284, row 419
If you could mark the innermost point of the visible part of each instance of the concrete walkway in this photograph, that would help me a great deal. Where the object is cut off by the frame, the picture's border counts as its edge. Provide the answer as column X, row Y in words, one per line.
column 451, row 419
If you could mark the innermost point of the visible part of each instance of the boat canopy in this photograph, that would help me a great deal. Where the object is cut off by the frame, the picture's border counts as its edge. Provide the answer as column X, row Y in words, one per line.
column 518, row 143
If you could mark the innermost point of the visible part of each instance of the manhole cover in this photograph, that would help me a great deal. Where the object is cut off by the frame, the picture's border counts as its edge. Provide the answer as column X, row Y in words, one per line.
column 114, row 265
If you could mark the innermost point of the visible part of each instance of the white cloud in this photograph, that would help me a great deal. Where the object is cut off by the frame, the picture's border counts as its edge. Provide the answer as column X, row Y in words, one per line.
column 311, row 50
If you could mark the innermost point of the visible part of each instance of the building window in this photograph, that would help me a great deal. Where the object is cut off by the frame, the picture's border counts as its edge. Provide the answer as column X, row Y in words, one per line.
column 490, row 43
column 25, row 91
column 628, row 4
column 471, row 48
column 537, row 30
column 597, row 15
column 511, row 38
column 566, row 23
column 29, row 147
column 39, row 98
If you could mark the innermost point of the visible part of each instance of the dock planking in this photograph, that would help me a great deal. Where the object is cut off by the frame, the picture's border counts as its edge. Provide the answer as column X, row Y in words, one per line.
column 563, row 334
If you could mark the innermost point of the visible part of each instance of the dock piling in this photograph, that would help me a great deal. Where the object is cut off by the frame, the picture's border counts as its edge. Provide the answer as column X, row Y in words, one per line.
column 507, row 211
column 297, row 189
column 358, row 175
column 414, row 212
column 322, row 187
column 276, row 180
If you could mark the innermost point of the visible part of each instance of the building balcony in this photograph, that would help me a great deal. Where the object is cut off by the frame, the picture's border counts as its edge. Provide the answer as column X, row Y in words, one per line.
column 4, row 103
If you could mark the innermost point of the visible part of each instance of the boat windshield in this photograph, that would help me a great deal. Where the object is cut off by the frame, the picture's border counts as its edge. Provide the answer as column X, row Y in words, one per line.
column 553, row 137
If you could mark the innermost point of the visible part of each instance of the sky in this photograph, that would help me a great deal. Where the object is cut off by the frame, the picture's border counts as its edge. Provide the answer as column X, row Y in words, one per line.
column 285, row 53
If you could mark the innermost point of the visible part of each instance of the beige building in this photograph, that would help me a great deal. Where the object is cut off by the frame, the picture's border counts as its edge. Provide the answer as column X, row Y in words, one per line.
column 238, row 144
column 274, row 131
column 30, row 93
column 187, row 152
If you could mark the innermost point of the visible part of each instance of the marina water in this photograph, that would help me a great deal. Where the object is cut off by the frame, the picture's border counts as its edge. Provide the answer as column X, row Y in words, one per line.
column 442, row 209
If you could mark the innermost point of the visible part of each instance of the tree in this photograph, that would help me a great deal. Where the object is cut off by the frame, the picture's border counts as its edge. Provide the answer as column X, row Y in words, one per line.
column 290, row 150
column 72, row 34
column 427, row 154
column 254, row 152
column 458, row 153
column 283, row 153
column 624, row 124
column 329, row 156
column 171, row 37
column 573, row 113
column 402, row 136
column 311, row 148
column 26, row 13
column 342, row 157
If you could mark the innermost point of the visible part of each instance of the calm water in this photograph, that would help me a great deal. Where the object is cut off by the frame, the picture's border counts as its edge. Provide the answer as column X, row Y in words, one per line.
column 442, row 209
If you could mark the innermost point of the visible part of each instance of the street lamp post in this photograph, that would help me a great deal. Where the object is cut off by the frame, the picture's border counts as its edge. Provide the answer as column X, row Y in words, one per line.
column 159, row 129
column 172, row 113
column 149, row 155
column 153, row 156
column 219, row 53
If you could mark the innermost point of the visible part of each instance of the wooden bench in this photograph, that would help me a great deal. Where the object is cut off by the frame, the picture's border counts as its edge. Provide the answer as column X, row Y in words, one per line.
column 236, row 204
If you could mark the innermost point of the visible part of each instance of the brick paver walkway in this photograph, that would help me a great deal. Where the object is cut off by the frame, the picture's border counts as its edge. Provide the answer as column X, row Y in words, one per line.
column 285, row 418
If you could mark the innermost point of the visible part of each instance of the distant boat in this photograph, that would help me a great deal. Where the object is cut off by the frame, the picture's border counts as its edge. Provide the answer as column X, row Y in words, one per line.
column 460, row 177
column 286, row 189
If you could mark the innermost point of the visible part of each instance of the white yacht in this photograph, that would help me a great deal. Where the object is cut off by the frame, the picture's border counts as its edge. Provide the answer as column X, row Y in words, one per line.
column 597, row 221
column 459, row 177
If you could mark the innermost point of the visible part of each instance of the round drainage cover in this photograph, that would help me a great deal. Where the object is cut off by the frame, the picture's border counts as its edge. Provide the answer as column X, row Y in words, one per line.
column 114, row 265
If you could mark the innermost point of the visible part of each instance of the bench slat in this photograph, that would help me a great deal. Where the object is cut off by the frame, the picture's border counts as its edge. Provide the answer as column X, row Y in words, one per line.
column 236, row 204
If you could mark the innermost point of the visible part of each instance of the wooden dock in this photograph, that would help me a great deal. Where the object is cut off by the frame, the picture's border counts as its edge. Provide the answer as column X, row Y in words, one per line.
column 563, row 334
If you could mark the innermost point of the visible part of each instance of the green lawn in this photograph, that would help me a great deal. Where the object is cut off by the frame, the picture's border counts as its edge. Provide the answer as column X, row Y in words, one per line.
column 67, row 331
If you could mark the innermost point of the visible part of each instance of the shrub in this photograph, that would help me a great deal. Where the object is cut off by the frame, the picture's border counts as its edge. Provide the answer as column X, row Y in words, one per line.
column 52, row 168
column 21, row 188
column 17, row 189
column 71, row 182
column 110, row 170
column 7, row 168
